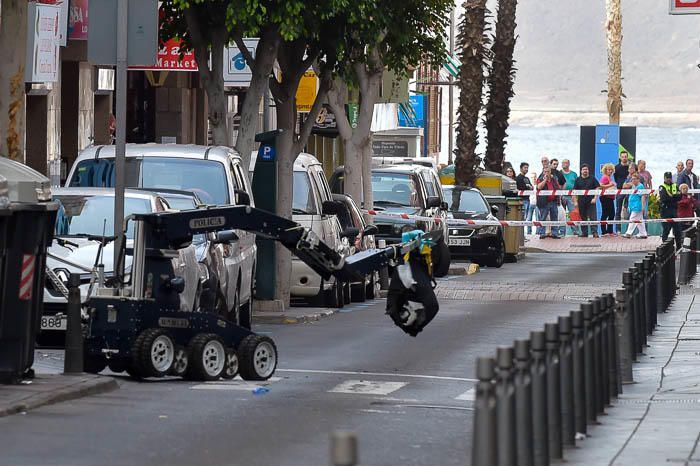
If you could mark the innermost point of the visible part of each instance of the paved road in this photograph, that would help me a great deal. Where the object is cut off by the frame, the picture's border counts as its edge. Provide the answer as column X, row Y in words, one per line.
column 408, row 399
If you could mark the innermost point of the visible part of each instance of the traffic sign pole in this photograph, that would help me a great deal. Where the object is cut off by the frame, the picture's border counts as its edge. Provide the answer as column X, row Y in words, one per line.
column 120, row 149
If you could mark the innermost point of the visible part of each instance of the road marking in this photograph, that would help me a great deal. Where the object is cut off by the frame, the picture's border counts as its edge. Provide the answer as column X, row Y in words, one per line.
column 366, row 387
column 469, row 395
column 234, row 385
column 379, row 374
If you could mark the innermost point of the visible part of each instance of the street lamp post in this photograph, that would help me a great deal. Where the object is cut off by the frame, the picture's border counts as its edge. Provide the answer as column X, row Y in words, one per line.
column 120, row 149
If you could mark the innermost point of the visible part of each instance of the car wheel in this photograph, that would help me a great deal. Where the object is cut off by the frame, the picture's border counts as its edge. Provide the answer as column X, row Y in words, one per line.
column 231, row 368
column 206, row 358
column 334, row 296
column 372, row 284
column 257, row 357
column 499, row 255
column 358, row 292
column 347, row 295
column 181, row 362
column 94, row 364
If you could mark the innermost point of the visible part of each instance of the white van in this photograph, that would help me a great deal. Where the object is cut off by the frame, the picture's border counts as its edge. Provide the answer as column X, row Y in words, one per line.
column 214, row 174
column 310, row 191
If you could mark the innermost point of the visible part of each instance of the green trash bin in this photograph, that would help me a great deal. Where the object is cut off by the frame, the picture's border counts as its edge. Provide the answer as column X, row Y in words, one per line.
column 28, row 231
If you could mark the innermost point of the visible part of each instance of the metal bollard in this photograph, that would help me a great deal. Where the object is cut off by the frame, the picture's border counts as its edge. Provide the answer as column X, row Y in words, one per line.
column 344, row 448
column 660, row 280
column 648, row 297
column 598, row 356
column 624, row 337
column 643, row 317
column 540, row 436
column 73, row 362
column 671, row 264
column 685, row 266
column 553, row 391
column 640, row 335
column 484, row 451
column 612, row 347
column 653, row 310
column 589, row 362
column 566, row 365
column 604, row 373
column 579, row 371
column 384, row 271
column 505, row 407
column 629, row 282
column 523, row 403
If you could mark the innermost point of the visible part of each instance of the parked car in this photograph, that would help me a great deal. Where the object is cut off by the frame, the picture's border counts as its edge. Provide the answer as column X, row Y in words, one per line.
column 361, row 238
column 403, row 189
column 83, row 239
column 482, row 244
column 311, row 198
column 214, row 174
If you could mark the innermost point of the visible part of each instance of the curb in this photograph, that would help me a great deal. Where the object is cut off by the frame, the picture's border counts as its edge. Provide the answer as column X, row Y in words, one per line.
column 284, row 319
column 82, row 388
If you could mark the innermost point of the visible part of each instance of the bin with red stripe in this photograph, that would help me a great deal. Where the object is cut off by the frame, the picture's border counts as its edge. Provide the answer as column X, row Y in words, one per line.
column 26, row 230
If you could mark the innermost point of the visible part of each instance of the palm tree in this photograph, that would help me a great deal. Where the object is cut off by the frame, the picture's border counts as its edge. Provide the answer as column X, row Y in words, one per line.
column 614, row 33
column 501, row 81
column 473, row 41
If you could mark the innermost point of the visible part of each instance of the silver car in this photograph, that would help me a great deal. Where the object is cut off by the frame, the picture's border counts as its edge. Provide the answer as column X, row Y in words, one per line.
column 214, row 174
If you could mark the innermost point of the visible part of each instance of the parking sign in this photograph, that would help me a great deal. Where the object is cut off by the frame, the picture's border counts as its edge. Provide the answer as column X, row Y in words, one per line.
column 237, row 73
column 684, row 7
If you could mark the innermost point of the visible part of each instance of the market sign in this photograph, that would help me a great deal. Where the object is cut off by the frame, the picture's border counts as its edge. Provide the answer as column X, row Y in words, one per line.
column 43, row 43
column 170, row 59
column 684, row 7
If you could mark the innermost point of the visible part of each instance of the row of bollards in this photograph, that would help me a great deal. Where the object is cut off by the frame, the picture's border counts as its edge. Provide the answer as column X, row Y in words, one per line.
column 688, row 256
column 539, row 396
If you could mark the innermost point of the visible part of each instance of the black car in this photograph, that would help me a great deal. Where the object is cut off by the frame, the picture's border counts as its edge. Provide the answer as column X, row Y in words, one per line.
column 403, row 189
column 483, row 244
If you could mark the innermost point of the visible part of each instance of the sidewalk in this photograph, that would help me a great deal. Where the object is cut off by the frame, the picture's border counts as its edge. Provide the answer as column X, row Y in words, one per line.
column 655, row 420
column 591, row 245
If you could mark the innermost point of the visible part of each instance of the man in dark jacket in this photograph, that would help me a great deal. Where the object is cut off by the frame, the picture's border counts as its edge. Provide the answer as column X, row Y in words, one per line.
column 554, row 164
column 669, row 195
column 622, row 171
column 548, row 204
column 523, row 183
column 587, row 204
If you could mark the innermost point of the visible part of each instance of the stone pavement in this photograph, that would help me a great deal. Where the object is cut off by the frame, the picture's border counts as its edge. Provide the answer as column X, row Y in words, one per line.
column 591, row 245
column 655, row 420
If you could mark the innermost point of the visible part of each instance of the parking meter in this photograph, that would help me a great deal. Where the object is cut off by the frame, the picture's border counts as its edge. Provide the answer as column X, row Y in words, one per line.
column 265, row 195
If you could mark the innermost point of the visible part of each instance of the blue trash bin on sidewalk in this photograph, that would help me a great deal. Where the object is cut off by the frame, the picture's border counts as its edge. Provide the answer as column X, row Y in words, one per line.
column 26, row 233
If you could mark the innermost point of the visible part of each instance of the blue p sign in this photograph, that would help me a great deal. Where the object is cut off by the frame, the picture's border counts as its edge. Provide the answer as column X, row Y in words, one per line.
column 267, row 153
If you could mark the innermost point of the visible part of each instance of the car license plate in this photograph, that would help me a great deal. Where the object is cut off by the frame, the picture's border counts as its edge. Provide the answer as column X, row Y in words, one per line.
column 460, row 242
column 54, row 322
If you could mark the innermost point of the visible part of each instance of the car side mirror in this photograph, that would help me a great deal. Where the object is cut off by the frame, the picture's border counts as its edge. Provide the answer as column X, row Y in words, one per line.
column 495, row 209
column 434, row 202
column 350, row 232
column 241, row 197
column 331, row 208
column 227, row 236
column 370, row 230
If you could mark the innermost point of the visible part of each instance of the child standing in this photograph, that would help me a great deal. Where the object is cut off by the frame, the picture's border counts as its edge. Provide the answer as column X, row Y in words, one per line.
column 636, row 209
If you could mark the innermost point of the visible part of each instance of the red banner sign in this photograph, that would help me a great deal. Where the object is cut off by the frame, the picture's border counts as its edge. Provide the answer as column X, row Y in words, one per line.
column 169, row 59
column 78, row 20
column 681, row 7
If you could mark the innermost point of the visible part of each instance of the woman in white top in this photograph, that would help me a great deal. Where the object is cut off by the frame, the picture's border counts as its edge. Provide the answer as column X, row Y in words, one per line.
column 532, row 213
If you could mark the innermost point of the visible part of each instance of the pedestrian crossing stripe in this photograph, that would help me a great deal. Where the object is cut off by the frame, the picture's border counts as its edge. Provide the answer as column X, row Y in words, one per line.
column 235, row 385
column 368, row 387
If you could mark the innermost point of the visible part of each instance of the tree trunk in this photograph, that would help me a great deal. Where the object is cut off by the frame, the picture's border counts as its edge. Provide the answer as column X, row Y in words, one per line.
column 265, row 56
column 500, row 85
column 471, row 82
column 13, row 37
column 614, row 35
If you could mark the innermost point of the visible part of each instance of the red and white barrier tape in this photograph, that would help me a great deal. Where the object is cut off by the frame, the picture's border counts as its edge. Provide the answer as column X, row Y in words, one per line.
column 525, row 223
column 594, row 192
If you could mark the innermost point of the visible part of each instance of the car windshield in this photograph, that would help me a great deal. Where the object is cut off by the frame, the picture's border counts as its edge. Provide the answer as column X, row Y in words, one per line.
column 394, row 189
column 206, row 178
column 464, row 200
column 94, row 215
column 302, row 196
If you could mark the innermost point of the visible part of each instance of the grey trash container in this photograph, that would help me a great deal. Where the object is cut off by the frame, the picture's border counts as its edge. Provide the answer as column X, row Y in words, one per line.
column 28, row 231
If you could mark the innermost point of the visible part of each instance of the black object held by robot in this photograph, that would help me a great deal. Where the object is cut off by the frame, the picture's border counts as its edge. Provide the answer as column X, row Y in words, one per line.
column 411, row 301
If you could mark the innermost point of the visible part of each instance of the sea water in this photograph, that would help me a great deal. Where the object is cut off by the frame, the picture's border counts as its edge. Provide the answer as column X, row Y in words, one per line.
column 661, row 148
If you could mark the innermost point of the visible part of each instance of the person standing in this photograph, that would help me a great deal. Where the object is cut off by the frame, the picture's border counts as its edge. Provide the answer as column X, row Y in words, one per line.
column 570, row 177
column 586, row 204
column 607, row 201
column 510, row 173
column 635, row 205
column 679, row 170
column 523, row 183
column 687, row 205
column 644, row 174
column 688, row 177
column 621, row 174
column 554, row 164
column 547, row 204
column 669, row 195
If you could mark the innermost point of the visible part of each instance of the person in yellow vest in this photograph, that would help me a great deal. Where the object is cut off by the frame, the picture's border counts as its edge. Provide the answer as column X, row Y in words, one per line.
column 669, row 195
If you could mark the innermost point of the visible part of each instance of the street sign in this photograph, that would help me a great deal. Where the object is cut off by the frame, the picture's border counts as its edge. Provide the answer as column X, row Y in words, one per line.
column 78, row 20
column 237, row 73
column 684, row 7
column 170, row 59
column 306, row 92
column 143, row 32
